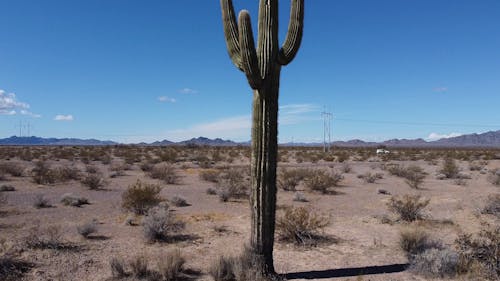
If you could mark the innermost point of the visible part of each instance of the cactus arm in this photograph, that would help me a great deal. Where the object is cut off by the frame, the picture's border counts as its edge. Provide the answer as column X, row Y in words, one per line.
column 267, row 44
column 248, row 54
column 231, row 32
column 294, row 35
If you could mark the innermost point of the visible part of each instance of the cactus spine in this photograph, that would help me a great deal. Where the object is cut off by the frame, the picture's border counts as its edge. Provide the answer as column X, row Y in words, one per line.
column 262, row 67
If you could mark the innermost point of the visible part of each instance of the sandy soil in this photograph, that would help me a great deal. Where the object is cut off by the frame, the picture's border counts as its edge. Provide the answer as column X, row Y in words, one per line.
column 362, row 239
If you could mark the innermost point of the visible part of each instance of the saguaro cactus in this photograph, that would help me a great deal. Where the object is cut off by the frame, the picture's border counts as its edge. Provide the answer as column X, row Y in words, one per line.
column 262, row 67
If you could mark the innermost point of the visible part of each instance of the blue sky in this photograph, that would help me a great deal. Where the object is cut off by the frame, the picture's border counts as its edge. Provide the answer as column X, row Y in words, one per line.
column 135, row 71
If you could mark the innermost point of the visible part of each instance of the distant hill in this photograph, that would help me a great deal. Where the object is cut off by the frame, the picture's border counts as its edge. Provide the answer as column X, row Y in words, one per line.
column 488, row 139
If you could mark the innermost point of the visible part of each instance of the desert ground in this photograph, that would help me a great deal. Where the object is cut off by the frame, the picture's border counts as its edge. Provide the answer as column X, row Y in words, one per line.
column 359, row 237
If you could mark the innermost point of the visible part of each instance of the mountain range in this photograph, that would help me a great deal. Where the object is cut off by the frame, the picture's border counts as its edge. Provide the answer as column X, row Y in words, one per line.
column 488, row 139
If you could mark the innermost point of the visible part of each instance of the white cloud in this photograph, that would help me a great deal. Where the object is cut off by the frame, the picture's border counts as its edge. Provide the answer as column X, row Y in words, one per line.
column 437, row 136
column 29, row 113
column 64, row 118
column 166, row 99
column 236, row 127
column 187, row 91
column 291, row 114
column 440, row 89
column 9, row 105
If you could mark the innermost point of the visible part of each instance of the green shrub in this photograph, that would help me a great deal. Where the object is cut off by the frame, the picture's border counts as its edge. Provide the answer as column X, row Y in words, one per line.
column 450, row 168
column 140, row 197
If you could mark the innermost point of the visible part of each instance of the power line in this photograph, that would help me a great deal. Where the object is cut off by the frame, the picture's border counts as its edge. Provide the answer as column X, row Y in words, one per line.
column 327, row 126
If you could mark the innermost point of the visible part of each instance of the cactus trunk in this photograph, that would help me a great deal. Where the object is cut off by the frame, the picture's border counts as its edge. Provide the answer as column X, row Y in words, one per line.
column 262, row 67
column 264, row 155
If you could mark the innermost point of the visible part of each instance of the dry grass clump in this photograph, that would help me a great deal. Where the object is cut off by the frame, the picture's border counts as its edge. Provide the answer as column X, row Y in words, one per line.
column 140, row 197
column 179, row 201
column 414, row 241
column 11, row 168
column 210, row 175
column 301, row 226
column 409, row 208
column 371, row 178
column 170, row 267
column 492, row 206
column 159, row 223
column 41, row 202
column 450, row 168
column 289, row 179
column 11, row 267
column 414, row 176
column 322, row 181
column 67, row 173
column 49, row 237
column 43, row 174
column 166, row 173
column 69, row 199
column 432, row 263
column 86, row 229
column 93, row 181
column 480, row 255
column 494, row 177
column 232, row 183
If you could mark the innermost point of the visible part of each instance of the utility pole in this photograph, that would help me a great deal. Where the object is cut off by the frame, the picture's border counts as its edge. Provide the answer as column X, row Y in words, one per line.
column 327, row 126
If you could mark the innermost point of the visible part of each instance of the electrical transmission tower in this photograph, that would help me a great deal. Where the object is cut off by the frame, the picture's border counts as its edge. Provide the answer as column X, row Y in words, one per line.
column 327, row 126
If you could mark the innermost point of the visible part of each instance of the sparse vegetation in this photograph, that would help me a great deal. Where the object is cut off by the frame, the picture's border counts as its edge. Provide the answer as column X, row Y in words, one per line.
column 41, row 202
column 179, row 201
column 94, row 181
column 42, row 174
column 301, row 226
column 140, row 197
column 409, row 208
column 289, row 179
column 69, row 199
column 159, row 224
column 7, row 187
column 494, row 177
column 492, row 205
column 322, row 181
column 165, row 172
column 450, row 168
column 86, row 229
column 232, row 184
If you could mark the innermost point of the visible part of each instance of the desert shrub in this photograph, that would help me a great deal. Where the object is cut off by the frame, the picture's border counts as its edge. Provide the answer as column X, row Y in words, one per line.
column 67, row 173
column 450, row 168
column 435, row 263
column 159, row 223
column 320, row 180
column 139, row 266
column 87, row 229
column 211, row 191
column 299, row 197
column 164, row 172
column 222, row 269
column 346, row 168
column 41, row 202
column 477, row 165
column 6, row 187
column 42, row 174
column 49, row 237
column 171, row 265
column 91, row 169
column 232, row 184
column 494, row 177
column 288, row 179
column 93, row 181
column 492, row 205
column 11, row 267
column 69, row 199
column 300, row 225
column 414, row 241
column 409, row 208
column 11, row 168
column 117, row 266
column 210, row 175
column 395, row 169
column 246, row 267
column 179, row 201
column 146, row 167
column 371, row 178
column 481, row 252
column 140, row 197
column 414, row 176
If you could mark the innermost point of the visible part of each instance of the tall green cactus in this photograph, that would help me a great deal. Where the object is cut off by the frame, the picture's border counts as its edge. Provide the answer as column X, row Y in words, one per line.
column 262, row 68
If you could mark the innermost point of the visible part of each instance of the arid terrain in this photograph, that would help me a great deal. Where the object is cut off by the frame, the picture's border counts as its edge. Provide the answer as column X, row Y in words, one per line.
column 358, row 235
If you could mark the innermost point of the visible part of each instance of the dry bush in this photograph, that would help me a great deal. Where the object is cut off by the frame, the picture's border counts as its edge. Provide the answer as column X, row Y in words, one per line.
column 11, row 267
column 42, row 174
column 159, row 224
column 11, row 168
column 414, row 176
column 91, row 169
column 450, row 168
column 87, row 229
column 414, row 241
column 41, row 202
column 93, row 181
column 69, row 199
column 179, row 201
column 67, row 173
column 146, row 167
column 494, row 177
column 289, row 179
column 171, row 265
column 139, row 267
column 320, row 180
column 492, row 206
column 246, row 267
column 140, row 197
column 371, row 178
column 49, row 237
column 232, row 183
column 165, row 172
column 211, row 191
column 301, row 226
column 6, row 187
column 435, row 263
column 480, row 253
column 210, row 175
column 409, row 208
column 299, row 197
column 117, row 266
column 346, row 168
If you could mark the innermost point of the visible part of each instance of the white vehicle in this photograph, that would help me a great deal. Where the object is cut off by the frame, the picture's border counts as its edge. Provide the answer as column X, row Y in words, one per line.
column 382, row 151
